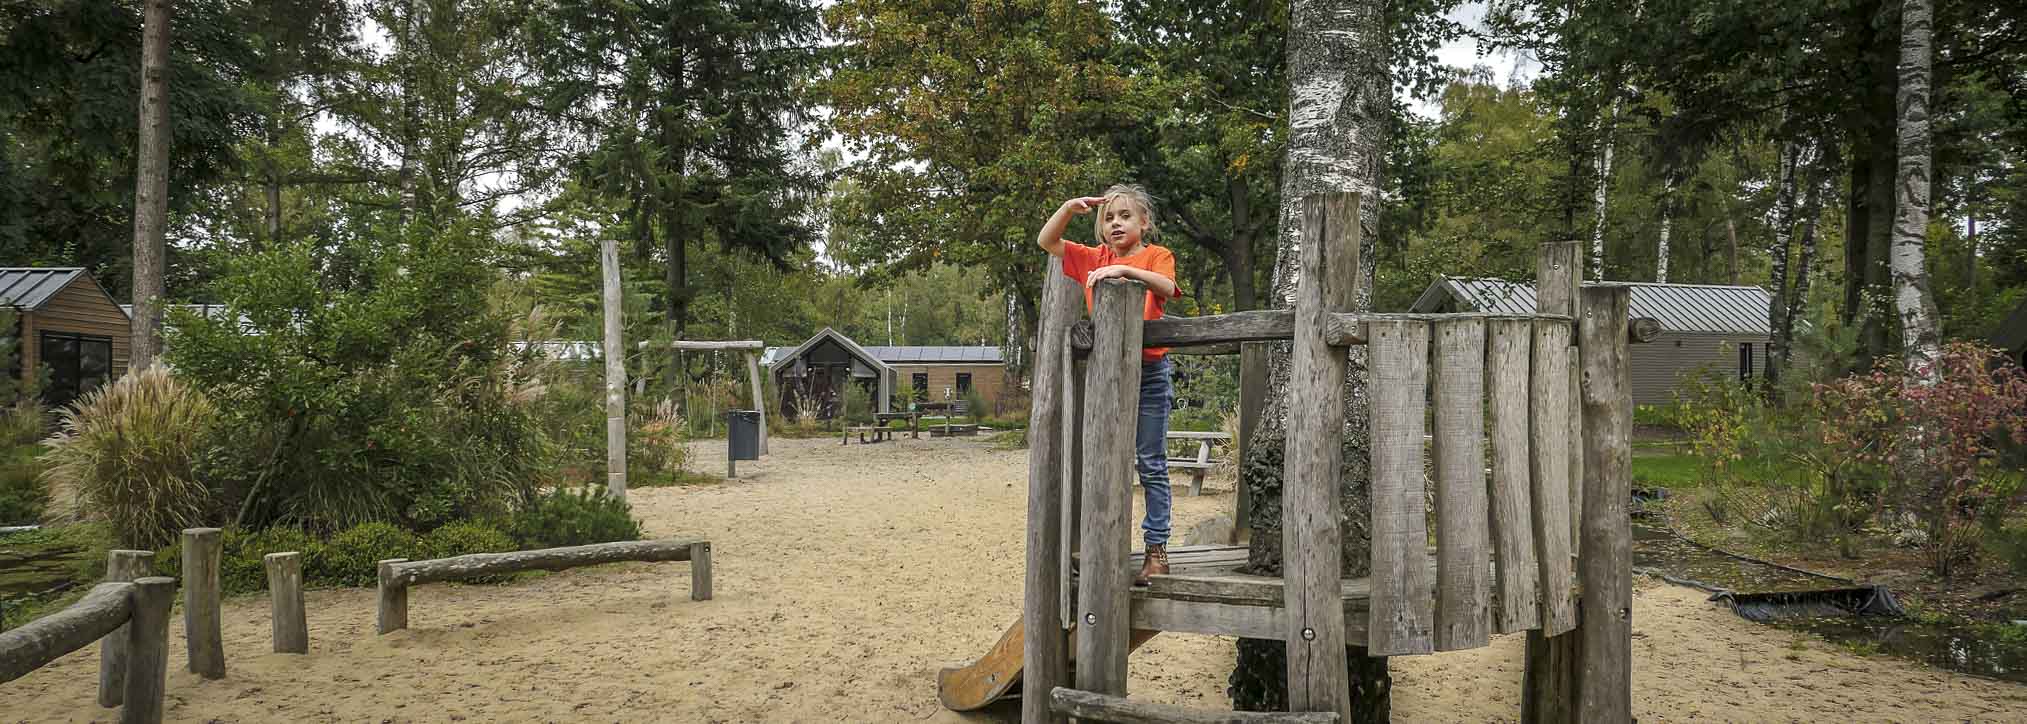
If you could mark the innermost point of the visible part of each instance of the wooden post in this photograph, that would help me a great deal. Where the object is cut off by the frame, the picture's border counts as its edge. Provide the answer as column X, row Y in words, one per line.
column 1103, row 580
column 700, row 571
column 1464, row 556
column 1402, row 611
column 759, row 399
column 1508, row 356
column 393, row 598
column 1606, row 564
column 1548, row 687
column 121, row 565
column 1252, row 399
column 1313, row 557
column 203, row 550
column 1044, row 650
column 1073, row 474
column 615, row 368
column 285, row 601
column 148, row 650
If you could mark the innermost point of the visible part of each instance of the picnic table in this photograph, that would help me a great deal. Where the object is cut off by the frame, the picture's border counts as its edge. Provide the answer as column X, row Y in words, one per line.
column 1196, row 468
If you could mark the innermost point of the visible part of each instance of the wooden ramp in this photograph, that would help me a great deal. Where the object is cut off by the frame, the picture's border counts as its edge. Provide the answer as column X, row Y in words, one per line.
column 997, row 674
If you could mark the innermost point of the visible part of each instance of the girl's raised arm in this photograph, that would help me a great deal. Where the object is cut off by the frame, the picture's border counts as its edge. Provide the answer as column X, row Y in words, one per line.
column 1051, row 236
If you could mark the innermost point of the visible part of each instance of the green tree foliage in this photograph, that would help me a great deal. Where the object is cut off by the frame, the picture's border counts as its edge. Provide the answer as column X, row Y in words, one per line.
column 688, row 108
column 69, row 94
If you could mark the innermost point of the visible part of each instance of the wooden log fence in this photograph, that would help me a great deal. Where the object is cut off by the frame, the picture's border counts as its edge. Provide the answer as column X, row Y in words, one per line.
column 203, row 551
column 1226, row 333
column 285, row 600
column 140, row 607
column 1088, row 706
column 122, row 566
column 397, row 575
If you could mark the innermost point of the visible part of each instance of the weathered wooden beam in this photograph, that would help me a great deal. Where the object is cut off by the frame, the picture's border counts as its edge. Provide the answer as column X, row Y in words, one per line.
column 1312, row 559
column 1113, row 383
column 121, row 566
column 147, row 649
column 1606, row 563
column 700, row 571
column 1403, row 615
column 1548, row 472
column 285, row 601
column 1548, row 686
column 1252, row 399
column 1092, row 706
column 755, row 345
column 203, row 552
column 1073, row 476
column 1464, row 555
column 411, row 573
column 1220, row 334
column 1044, row 649
column 393, row 611
column 1509, row 346
column 36, row 643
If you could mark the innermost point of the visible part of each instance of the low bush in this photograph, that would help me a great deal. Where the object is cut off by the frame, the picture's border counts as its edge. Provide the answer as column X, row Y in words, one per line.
column 465, row 537
column 569, row 517
column 352, row 557
column 22, row 495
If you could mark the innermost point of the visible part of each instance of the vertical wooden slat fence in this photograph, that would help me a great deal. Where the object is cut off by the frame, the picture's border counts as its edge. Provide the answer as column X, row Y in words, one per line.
column 1044, row 645
column 1605, row 686
column 1113, row 381
column 1509, row 352
column 1464, row 559
column 1402, row 609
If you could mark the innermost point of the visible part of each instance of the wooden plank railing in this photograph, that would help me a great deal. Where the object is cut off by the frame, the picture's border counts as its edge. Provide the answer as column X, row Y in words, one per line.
column 397, row 574
column 1222, row 333
column 141, row 606
column 1091, row 706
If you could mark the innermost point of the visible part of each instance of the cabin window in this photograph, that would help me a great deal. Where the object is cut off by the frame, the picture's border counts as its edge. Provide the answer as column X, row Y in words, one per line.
column 77, row 364
column 920, row 381
column 1745, row 360
column 963, row 382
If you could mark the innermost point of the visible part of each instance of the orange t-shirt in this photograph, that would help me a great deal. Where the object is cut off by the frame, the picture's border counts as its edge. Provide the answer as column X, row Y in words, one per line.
column 1080, row 260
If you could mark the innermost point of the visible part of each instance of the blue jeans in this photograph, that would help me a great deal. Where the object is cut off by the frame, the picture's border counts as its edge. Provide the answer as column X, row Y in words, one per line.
column 1150, row 446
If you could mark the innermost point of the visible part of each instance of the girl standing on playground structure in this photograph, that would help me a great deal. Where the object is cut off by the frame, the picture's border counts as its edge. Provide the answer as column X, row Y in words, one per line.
column 1124, row 223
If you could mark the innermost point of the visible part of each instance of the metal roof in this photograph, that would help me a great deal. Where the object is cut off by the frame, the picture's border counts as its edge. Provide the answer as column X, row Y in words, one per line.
column 1699, row 308
column 29, row 288
column 928, row 355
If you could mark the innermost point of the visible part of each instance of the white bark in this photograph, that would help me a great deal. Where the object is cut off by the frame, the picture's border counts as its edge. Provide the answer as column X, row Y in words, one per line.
column 1919, row 339
column 615, row 370
column 1599, row 196
column 1667, row 222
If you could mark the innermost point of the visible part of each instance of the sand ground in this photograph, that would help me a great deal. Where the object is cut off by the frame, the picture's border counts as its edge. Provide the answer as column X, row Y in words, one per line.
column 845, row 578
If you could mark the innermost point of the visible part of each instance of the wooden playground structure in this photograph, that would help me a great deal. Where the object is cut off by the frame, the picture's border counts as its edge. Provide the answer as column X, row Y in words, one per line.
column 1542, row 544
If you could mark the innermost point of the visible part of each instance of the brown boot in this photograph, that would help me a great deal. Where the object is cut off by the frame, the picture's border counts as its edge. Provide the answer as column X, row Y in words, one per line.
column 1155, row 563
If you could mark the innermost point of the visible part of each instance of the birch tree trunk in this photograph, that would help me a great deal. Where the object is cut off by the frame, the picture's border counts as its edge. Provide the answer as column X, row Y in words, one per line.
column 1920, row 342
column 615, row 370
column 1784, row 235
column 1339, row 95
column 1667, row 222
column 151, row 188
column 1599, row 196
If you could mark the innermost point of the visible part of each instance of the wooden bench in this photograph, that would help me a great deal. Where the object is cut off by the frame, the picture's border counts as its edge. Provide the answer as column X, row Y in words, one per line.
column 397, row 575
column 880, row 433
column 1197, row 467
column 914, row 422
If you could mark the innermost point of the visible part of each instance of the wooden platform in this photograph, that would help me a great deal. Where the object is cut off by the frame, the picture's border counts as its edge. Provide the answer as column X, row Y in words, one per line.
column 1205, row 593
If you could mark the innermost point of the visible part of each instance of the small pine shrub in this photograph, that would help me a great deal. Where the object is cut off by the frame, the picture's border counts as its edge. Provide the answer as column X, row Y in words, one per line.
column 566, row 517
column 352, row 557
column 127, row 453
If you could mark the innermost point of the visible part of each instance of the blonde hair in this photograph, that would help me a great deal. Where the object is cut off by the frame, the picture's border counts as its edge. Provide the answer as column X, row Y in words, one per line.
column 1139, row 197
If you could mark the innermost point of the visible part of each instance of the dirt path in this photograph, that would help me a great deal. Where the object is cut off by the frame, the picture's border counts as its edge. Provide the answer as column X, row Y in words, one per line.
column 845, row 578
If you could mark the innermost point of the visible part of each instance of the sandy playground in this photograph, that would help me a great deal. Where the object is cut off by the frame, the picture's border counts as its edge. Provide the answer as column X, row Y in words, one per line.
column 845, row 578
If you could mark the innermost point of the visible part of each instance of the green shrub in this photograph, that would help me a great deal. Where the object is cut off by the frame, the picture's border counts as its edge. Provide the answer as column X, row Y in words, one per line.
column 127, row 452
column 352, row 557
column 858, row 404
column 567, row 517
column 22, row 495
column 241, row 568
column 465, row 537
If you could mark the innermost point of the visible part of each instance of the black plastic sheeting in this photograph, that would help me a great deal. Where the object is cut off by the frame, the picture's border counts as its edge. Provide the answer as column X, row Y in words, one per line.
column 1765, row 607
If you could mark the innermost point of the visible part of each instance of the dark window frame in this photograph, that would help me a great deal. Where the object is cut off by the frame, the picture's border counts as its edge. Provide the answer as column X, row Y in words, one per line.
column 919, row 381
column 1745, row 360
column 65, row 389
column 963, row 382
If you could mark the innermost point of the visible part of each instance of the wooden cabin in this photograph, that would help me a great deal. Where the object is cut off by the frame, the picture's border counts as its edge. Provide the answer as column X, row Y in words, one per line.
column 814, row 372
column 73, row 336
column 1705, row 329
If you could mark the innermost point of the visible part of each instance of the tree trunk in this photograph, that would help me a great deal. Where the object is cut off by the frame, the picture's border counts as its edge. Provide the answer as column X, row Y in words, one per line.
column 1340, row 93
column 1598, row 197
column 1920, row 343
column 151, row 188
column 1812, row 211
column 1668, row 184
column 1784, row 227
column 615, row 369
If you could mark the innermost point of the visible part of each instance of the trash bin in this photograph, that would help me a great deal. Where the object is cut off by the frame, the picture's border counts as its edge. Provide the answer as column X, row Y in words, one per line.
column 742, row 434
